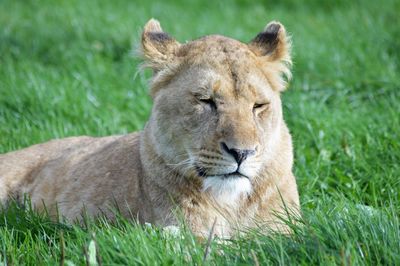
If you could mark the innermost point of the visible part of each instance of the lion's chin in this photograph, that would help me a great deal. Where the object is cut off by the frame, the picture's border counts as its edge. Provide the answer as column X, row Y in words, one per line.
column 227, row 190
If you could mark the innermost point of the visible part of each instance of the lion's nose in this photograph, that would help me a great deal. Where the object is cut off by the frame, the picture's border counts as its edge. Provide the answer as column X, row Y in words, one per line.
column 239, row 154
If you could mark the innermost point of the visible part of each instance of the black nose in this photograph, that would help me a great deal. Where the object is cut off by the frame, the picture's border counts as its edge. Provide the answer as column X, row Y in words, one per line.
column 238, row 154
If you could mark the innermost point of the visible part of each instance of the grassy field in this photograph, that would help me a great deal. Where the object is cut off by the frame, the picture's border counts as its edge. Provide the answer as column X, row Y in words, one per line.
column 66, row 69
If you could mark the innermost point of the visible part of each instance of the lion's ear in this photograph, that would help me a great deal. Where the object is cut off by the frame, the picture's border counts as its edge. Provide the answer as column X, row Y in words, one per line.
column 272, row 42
column 157, row 47
column 273, row 46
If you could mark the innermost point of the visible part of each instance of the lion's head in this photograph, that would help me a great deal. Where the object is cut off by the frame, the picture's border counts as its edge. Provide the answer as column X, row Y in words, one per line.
column 217, row 111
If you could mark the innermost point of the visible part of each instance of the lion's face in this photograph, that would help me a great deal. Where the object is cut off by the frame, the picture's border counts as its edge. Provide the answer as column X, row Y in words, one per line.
column 217, row 112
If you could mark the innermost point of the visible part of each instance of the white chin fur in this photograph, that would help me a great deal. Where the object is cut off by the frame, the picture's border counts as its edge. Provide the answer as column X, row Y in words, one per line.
column 226, row 191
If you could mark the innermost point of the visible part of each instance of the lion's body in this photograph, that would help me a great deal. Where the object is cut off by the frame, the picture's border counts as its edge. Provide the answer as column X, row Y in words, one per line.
column 75, row 173
column 209, row 160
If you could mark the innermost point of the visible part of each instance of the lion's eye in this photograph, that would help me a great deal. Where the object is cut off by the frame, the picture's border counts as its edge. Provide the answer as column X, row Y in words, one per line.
column 259, row 107
column 209, row 102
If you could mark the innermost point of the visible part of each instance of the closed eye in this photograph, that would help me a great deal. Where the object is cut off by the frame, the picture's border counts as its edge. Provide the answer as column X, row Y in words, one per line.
column 259, row 107
column 208, row 101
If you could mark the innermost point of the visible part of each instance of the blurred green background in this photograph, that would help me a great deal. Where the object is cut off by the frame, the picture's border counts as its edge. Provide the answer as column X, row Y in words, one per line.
column 66, row 68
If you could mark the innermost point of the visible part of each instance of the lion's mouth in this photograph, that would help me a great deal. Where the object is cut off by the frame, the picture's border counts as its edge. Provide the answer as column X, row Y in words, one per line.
column 235, row 174
column 203, row 173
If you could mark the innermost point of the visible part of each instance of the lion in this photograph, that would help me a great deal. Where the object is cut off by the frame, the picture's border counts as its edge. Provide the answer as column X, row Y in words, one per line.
column 215, row 150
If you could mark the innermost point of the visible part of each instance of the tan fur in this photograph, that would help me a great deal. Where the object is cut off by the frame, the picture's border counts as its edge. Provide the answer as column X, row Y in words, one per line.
column 211, row 95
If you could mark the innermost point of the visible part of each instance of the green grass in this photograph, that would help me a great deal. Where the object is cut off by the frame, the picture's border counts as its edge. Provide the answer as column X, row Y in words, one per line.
column 66, row 69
